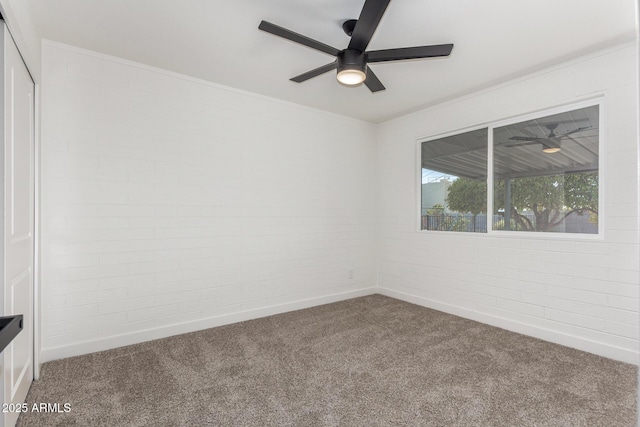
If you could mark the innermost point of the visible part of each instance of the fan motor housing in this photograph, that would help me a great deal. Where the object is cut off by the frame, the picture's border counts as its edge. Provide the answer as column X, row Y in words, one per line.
column 351, row 59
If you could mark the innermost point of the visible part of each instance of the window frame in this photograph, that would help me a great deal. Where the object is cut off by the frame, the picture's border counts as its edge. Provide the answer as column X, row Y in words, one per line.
column 490, row 126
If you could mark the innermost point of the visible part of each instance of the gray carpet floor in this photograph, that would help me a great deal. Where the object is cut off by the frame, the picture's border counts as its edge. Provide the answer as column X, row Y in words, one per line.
column 371, row 361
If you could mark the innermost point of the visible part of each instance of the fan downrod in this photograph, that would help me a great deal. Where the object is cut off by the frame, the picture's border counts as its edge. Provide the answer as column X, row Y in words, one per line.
column 552, row 127
column 348, row 26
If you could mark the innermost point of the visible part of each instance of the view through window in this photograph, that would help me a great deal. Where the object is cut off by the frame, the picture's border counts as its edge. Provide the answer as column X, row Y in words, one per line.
column 454, row 183
column 545, row 176
column 546, row 173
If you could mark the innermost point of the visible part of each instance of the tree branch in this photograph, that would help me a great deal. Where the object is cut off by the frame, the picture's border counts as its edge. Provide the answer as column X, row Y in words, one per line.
column 522, row 220
column 595, row 211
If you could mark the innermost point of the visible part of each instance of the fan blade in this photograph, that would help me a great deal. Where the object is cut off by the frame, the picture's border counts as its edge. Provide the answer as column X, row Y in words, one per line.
column 527, row 138
column 313, row 73
column 520, row 144
column 372, row 82
column 409, row 53
column 573, row 131
column 562, row 122
column 524, row 138
column 298, row 38
column 368, row 21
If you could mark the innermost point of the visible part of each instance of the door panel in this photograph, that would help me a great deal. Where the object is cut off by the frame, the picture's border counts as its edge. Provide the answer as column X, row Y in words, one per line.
column 21, row 158
column 21, row 362
column 18, row 234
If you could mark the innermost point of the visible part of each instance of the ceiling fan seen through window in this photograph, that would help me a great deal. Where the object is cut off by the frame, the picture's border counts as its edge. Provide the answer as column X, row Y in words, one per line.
column 550, row 143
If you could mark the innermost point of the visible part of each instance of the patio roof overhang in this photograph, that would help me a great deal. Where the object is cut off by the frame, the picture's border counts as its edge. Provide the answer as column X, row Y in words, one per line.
column 465, row 155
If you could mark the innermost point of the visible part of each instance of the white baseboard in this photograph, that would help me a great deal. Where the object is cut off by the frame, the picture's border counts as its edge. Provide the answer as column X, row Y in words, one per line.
column 590, row 346
column 91, row 346
column 108, row 343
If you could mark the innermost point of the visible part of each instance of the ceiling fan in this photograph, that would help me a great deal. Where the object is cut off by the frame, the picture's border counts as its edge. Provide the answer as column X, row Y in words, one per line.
column 550, row 143
column 352, row 62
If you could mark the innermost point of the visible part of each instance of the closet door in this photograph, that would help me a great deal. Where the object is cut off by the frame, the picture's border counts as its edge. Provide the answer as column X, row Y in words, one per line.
column 18, row 123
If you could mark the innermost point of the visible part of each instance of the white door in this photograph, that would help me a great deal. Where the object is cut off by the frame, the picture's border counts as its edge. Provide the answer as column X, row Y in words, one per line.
column 17, row 358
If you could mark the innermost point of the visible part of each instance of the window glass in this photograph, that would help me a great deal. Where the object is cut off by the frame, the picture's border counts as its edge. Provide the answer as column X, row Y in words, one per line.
column 454, row 183
column 546, row 173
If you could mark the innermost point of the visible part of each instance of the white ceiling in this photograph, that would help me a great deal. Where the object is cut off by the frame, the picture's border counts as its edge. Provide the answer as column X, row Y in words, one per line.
column 219, row 41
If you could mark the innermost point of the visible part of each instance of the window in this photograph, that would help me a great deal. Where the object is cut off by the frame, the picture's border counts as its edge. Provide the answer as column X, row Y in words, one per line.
column 545, row 173
column 545, row 176
column 454, row 183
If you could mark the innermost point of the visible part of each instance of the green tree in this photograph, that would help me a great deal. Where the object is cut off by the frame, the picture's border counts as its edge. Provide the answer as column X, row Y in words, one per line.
column 436, row 209
column 468, row 195
column 550, row 198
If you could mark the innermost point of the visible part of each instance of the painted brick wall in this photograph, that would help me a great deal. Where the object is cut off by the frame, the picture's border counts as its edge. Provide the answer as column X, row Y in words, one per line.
column 582, row 293
column 169, row 200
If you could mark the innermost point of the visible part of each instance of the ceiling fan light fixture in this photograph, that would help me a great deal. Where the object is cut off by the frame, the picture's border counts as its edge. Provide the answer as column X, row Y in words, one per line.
column 351, row 77
column 550, row 150
column 351, row 67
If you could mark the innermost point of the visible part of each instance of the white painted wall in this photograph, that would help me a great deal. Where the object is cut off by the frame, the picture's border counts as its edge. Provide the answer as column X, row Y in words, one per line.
column 169, row 200
column 581, row 293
